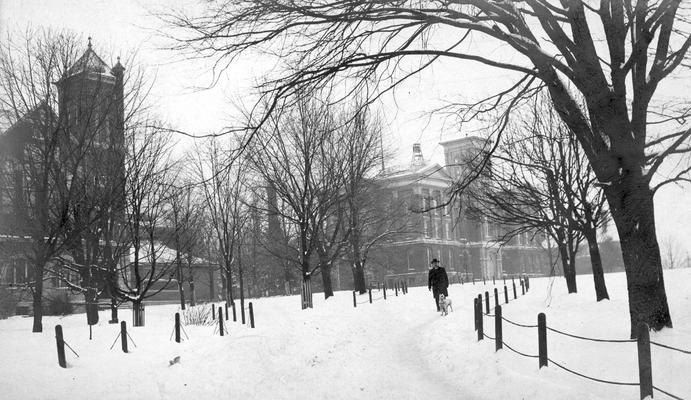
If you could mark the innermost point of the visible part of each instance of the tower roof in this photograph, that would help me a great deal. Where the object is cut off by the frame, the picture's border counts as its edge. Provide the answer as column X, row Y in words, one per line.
column 88, row 62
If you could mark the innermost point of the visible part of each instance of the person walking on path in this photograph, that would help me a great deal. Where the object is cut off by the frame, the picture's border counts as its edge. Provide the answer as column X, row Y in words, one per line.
column 438, row 281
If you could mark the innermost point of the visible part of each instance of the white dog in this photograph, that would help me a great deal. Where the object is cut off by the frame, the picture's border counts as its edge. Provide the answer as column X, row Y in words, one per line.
column 445, row 304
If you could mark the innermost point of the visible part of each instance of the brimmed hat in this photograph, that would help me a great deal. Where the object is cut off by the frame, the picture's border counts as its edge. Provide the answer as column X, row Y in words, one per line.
column 434, row 260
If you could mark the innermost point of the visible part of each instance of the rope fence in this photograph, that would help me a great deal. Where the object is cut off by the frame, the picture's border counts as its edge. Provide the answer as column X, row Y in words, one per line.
column 643, row 344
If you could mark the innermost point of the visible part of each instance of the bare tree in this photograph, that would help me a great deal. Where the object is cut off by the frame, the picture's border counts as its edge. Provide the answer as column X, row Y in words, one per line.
column 297, row 159
column 541, row 182
column 671, row 253
column 64, row 117
column 148, row 190
column 224, row 194
column 613, row 57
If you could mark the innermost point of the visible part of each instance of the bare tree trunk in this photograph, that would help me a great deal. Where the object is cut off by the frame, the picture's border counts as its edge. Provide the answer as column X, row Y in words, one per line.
column 633, row 212
column 325, row 269
column 568, row 265
column 596, row 262
column 38, row 296
column 359, row 277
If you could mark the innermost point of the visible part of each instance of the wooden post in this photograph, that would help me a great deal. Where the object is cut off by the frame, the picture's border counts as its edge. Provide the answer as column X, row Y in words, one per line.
column 226, row 314
column 232, row 305
column 494, row 282
column 242, row 311
column 527, row 283
column 483, row 280
column 506, row 295
column 220, row 320
column 123, row 335
column 370, row 295
column 251, row 316
column 480, row 331
column 498, row 336
column 504, row 280
column 354, row 300
column 213, row 311
column 542, row 339
column 475, row 312
column 177, row 327
column 514, row 290
column 496, row 297
column 486, row 302
column 395, row 288
column 473, row 280
column 522, row 287
column 384, row 286
column 61, row 346
column 645, row 371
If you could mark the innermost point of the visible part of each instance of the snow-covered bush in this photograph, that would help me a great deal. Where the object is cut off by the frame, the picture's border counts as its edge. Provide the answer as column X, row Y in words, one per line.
column 197, row 315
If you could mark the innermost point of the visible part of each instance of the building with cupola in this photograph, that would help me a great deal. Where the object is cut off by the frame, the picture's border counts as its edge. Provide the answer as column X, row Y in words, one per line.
column 73, row 133
column 467, row 248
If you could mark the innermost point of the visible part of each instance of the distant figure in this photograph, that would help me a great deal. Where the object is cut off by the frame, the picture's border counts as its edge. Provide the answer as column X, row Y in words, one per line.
column 438, row 281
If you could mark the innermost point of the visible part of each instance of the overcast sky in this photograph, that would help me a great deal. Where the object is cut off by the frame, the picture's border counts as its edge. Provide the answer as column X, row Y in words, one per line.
column 124, row 25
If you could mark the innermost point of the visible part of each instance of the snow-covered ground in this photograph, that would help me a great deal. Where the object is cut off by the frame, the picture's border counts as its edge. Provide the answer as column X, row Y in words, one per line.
column 394, row 349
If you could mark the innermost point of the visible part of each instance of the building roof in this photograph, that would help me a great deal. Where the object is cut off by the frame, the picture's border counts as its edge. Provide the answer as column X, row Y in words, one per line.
column 42, row 113
column 88, row 62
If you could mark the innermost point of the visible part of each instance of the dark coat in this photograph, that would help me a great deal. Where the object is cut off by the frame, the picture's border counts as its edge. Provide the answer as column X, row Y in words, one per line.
column 438, row 280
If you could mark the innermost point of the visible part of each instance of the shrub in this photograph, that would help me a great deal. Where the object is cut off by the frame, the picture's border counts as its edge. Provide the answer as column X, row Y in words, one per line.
column 60, row 305
column 8, row 302
column 197, row 315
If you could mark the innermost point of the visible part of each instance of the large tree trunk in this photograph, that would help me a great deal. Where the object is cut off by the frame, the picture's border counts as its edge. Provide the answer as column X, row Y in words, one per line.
column 359, row 277
column 631, row 205
column 567, row 263
column 596, row 262
column 326, row 279
column 38, row 297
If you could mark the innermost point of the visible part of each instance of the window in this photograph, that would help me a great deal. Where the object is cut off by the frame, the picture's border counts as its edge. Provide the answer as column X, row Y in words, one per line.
column 425, row 227
column 16, row 271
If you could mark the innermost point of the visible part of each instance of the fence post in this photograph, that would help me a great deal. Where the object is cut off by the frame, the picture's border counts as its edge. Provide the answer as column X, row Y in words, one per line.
column 504, row 277
column 483, row 280
column 226, row 310
column 384, row 286
column 473, row 280
column 486, row 302
column 496, row 297
column 220, row 320
column 395, row 288
column 514, row 290
column 506, row 295
column 370, row 295
column 213, row 311
column 233, row 306
column 497, row 329
column 475, row 312
column 123, row 335
column 527, row 283
column 251, row 316
column 480, row 318
column 354, row 300
column 645, row 371
column 522, row 287
column 177, row 327
column 542, row 339
column 61, row 346
column 494, row 282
